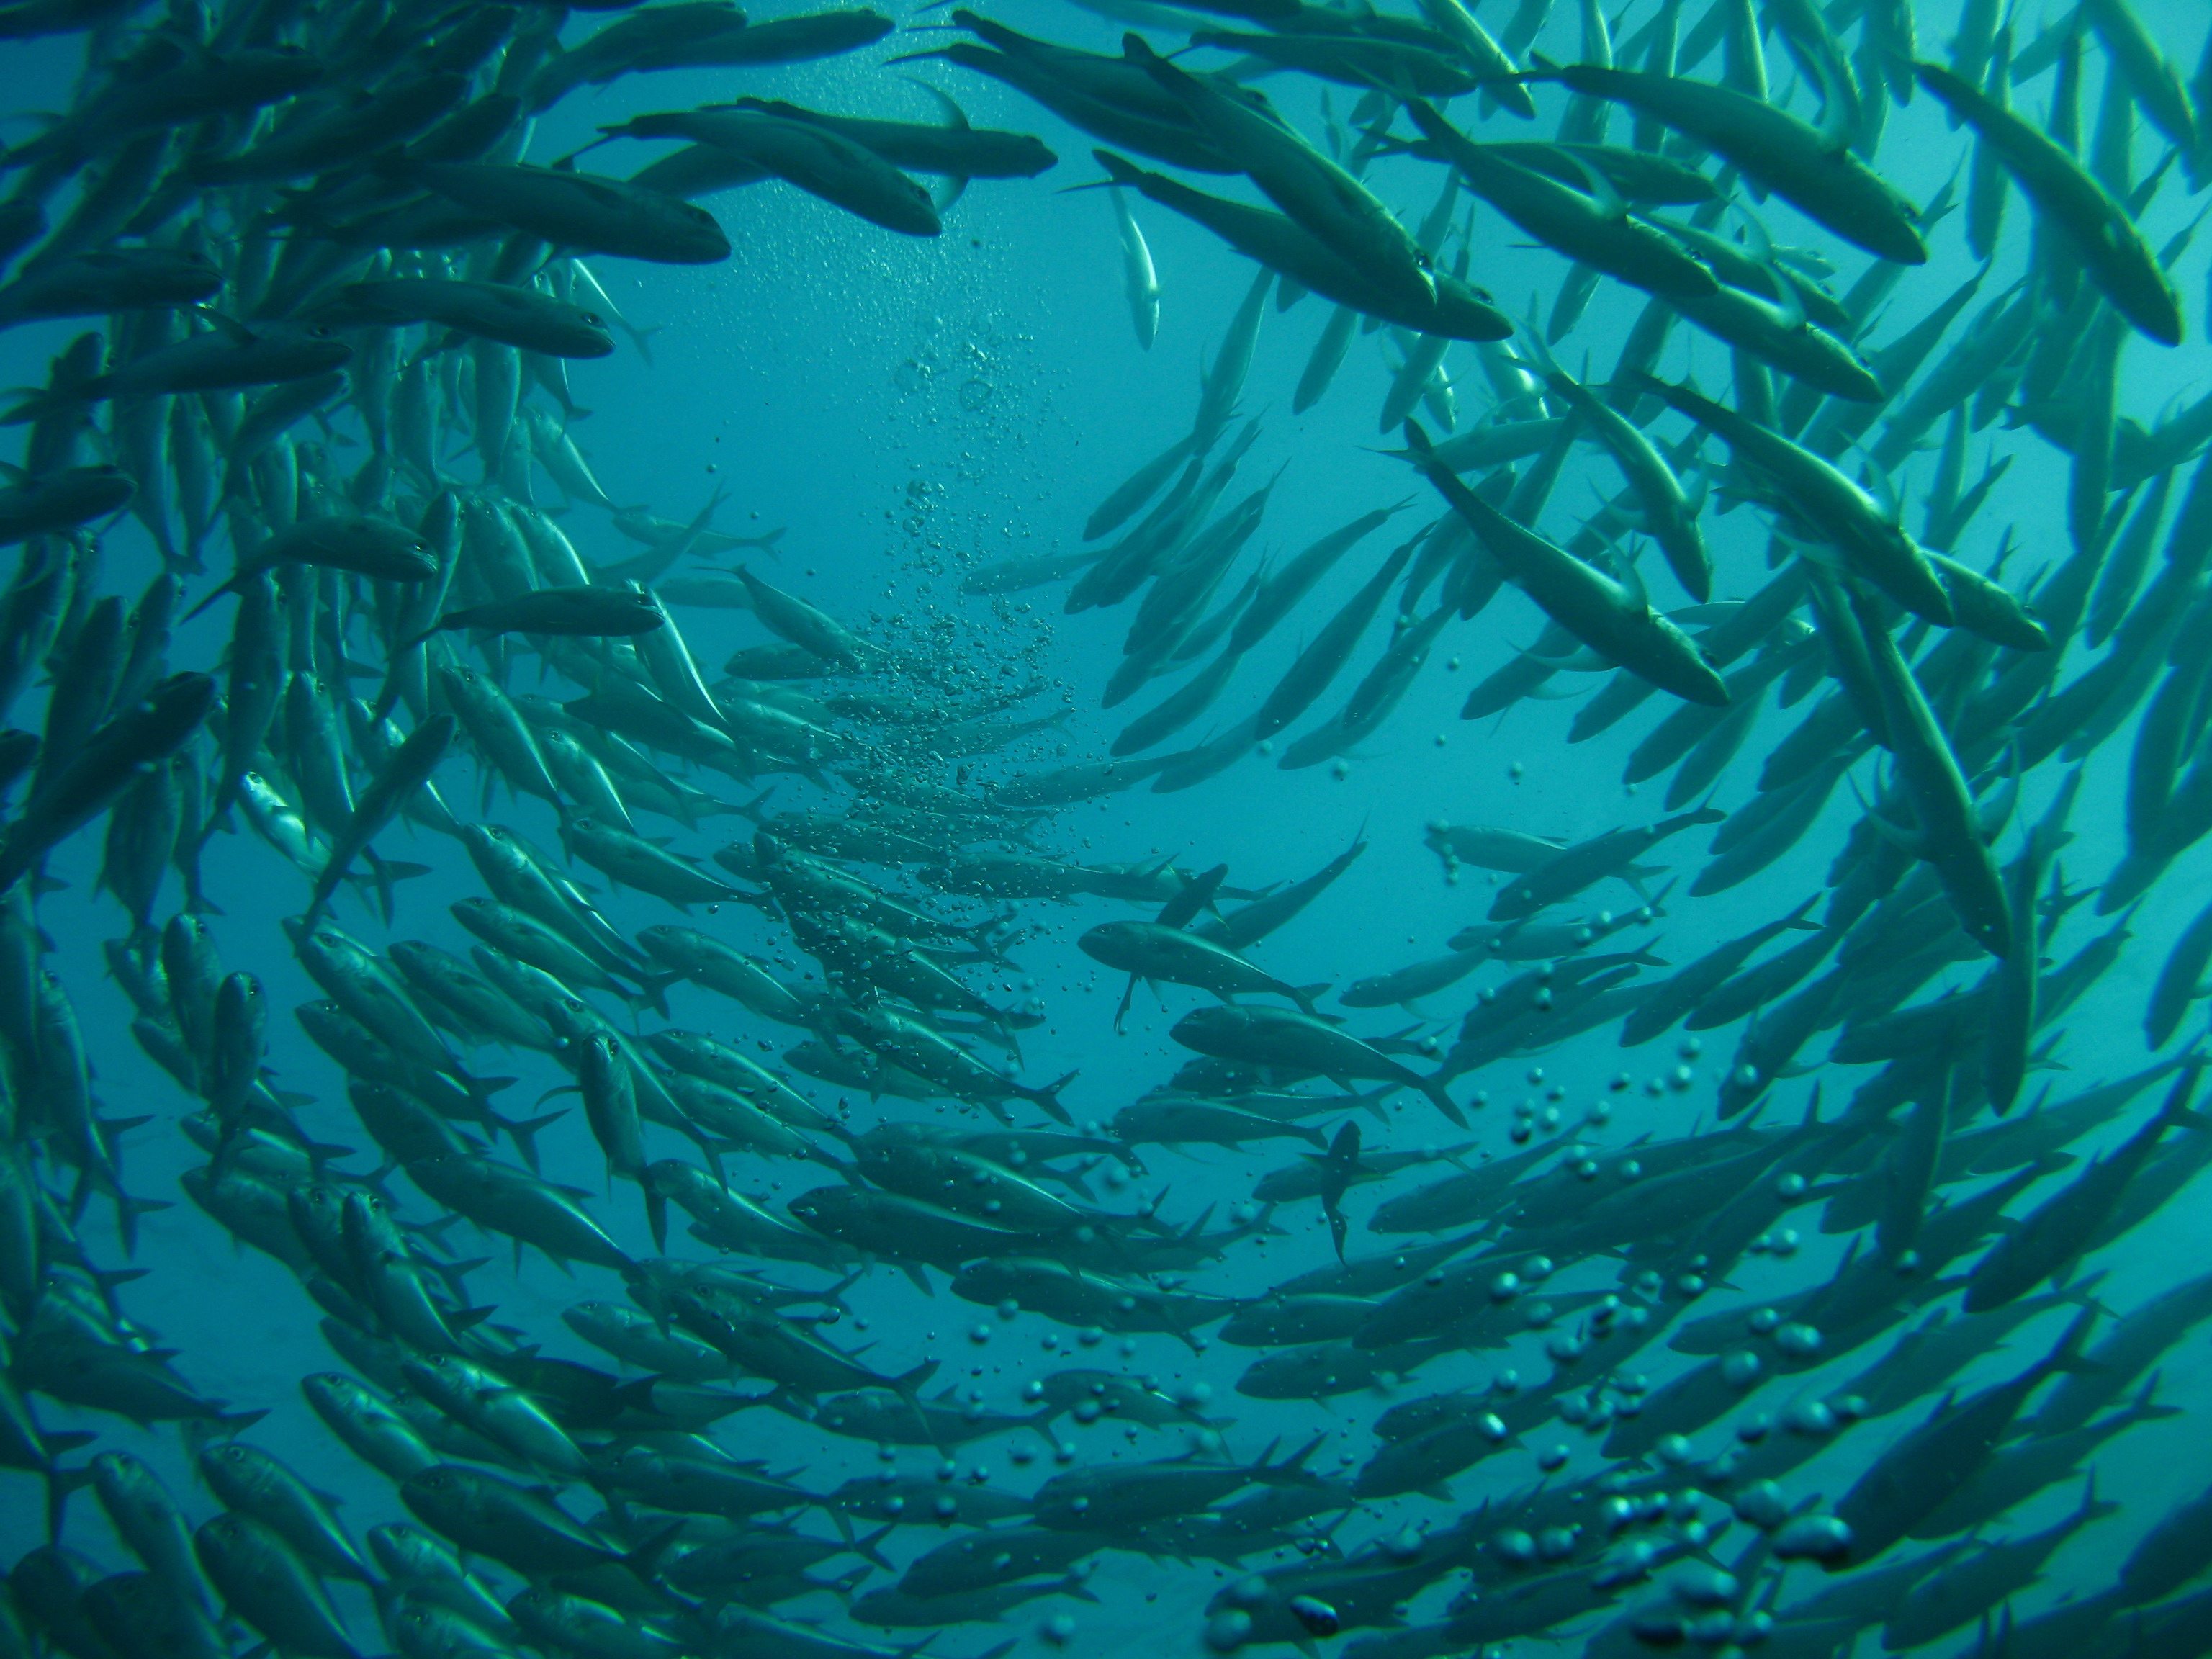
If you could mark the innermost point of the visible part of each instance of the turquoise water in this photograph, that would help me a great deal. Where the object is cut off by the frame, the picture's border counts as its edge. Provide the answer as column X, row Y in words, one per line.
column 909, row 411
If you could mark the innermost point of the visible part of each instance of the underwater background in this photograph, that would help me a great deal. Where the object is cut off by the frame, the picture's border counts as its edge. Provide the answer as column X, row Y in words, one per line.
column 912, row 411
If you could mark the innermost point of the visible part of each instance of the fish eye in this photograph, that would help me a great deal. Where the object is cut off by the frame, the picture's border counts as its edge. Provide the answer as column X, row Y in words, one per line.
column 595, row 320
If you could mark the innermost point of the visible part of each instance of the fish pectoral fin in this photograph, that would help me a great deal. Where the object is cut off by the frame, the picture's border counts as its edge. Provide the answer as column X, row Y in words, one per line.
column 1582, row 660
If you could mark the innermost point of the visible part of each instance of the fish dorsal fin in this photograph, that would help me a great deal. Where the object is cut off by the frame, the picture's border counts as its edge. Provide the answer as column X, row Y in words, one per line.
column 1631, row 579
column 1609, row 200
column 1532, row 339
column 1840, row 110
column 956, row 118
column 1878, row 484
column 228, row 326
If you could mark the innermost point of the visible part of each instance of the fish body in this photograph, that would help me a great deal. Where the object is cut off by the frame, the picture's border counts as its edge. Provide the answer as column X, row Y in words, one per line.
column 818, row 158
column 1783, row 152
column 2096, row 228
column 579, row 210
column 1306, row 184
column 1149, row 951
column 1609, row 617
column 1299, row 1042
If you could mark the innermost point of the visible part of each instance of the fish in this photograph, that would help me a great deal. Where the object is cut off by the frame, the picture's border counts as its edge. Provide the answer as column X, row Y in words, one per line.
column 1321, row 196
column 818, row 158
column 1141, row 283
column 1781, row 152
column 378, row 549
column 1268, row 1036
column 951, row 147
column 576, row 210
column 223, row 358
column 1612, row 618
column 2060, row 1230
column 520, row 317
column 1829, row 505
column 1936, row 1459
column 1446, row 308
column 1153, row 951
column 801, row 623
column 108, row 280
column 111, row 755
column 2097, row 229
column 408, row 770
column 1593, row 229
column 589, row 613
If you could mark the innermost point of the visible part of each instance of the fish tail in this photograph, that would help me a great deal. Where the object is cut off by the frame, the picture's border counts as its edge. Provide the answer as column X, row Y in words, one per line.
column 1047, row 1099
column 866, row 1549
column 1434, row 1089
column 60, row 1483
column 2177, row 1109
column 523, row 1131
column 41, row 403
column 2067, row 1356
column 229, row 585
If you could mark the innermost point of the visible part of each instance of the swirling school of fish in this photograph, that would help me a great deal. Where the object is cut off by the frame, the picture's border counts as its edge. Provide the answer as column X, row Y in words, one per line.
column 298, row 219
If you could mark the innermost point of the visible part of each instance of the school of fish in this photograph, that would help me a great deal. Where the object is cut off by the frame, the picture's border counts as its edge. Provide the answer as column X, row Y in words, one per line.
column 328, row 285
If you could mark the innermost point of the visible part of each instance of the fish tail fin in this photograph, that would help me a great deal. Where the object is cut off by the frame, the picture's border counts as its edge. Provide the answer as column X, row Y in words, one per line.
column 318, row 900
column 1291, row 1465
column 2067, row 1356
column 2177, row 1108
column 1047, row 1099
column 523, row 1131
column 380, row 877
column 60, row 1483
column 1120, row 170
column 911, row 1381
column 213, row 594
column 127, row 1211
column 867, row 1548
column 1434, row 1089
column 906, row 1385
column 645, row 1558
column 2091, row 1508
column 41, row 403
column 653, row 987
